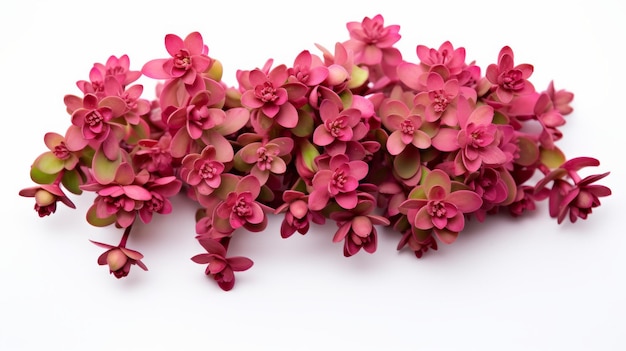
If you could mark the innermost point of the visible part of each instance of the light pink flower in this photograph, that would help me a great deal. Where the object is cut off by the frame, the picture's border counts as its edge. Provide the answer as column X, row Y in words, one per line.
column 372, row 41
column 404, row 125
column 337, row 126
column 267, row 157
column 439, row 99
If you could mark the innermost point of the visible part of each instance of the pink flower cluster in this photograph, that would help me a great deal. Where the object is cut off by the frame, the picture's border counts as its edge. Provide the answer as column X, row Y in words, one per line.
column 358, row 135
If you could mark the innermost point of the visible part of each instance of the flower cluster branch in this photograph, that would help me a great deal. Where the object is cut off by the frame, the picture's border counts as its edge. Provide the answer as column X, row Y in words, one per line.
column 356, row 134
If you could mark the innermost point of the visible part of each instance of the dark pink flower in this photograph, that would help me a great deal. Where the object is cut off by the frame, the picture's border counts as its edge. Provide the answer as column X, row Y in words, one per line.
column 46, row 198
column 356, row 227
column 297, row 214
column 199, row 114
column 339, row 181
column 58, row 158
column 577, row 199
column 135, row 106
column 560, row 99
column 509, row 80
column 434, row 205
column 451, row 60
column 219, row 267
column 418, row 246
column 154, row 155
column 439, row 99
column 119, row 259
column 372, row 41
column 188, row 61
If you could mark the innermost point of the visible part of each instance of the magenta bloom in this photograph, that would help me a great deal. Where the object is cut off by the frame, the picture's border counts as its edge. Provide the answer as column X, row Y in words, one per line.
column 308, row 69
column 433, row 205
column 339, row 181
column 272, row 95
column 356, row 227
column 447, row 57
column 509, row 80
column 58, row 157
column 372, row 41
column 219, row 267
column 199, row 114
column 161, row 190
column 240, row 207
column 203, row 171
column 188, row 60
column 337, row 127
column 46, row 198
column 439, row 99
column 119, row 259
column 267, row 157
column 577, row 199
column 297, row 214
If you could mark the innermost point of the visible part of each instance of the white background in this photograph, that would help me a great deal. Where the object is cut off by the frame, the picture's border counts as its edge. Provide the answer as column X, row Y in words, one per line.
column 506, row 284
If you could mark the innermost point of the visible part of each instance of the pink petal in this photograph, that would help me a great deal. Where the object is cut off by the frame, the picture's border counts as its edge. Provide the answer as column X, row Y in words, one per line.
column 395, row 145
column 341, row 232
column 446, row 236
column 154, row 69
column 239, row 263
column 173, row 43
column 423, row 220
column 347, row 200
column 321, row 136
column 287, row 116
column 446, row 140
column 257, row 214
column 466, row 201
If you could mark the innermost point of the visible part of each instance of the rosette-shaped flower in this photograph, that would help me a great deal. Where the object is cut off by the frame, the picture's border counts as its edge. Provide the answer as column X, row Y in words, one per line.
column 46, row 198
column 91, row 123
column 219, row 266
column 439, row 99
column 478, row 138
column 58, row 158
column 307, row 69
column 298, row 216
column 119, row 259
column 187, row 62
column 404, row 125
column 372, row 41
column 446, row 56
column 120, row 200
column 117, row 68
column 272, row 96
column 509, row 80
column 339, row 181
column 203, row 171
column 240, row 209
column 161, row 190
column 356, row 227
column 433, row 205
column 154, row 155
column 135, row 106
column 266, row 157
column 337, row 127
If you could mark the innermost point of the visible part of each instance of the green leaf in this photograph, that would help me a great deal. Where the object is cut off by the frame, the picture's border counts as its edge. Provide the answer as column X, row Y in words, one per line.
column 528, row 152
column 552, row 158
column 304, row 127
column 49, row 163
column 104, row 170
column 40, row 177
column 97, row 221
column 71, row 181
column 407, row 163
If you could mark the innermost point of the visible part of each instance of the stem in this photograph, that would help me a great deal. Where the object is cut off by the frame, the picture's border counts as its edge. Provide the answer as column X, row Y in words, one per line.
column 59, row 177
column 125, row 236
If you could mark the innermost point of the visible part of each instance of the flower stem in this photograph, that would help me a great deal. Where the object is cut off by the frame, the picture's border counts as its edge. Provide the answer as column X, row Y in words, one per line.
column 125, row 236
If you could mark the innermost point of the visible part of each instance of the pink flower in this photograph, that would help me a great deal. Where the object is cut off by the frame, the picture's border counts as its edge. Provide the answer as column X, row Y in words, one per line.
column 477, row 139
column 199, row 114
column 434, row 205
column 188, row 61
column 154, row 155
column 203, row 171
column 119, row 259
column 509, row 80
column 272, row 96
column 337, row 127
column 297, row 214
column 439, row 99
column 46, row 198
column 404, row 125
column 356, row 227
column 418, row 246
column 58, row 158
column 577, row 199
column 447, row 57
column 135, row 106
column 161, row 190
column 219, row 267
column 307, row 69
column 339, row 181
column 372, row 41
column 267, row 157
column 240, row 208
